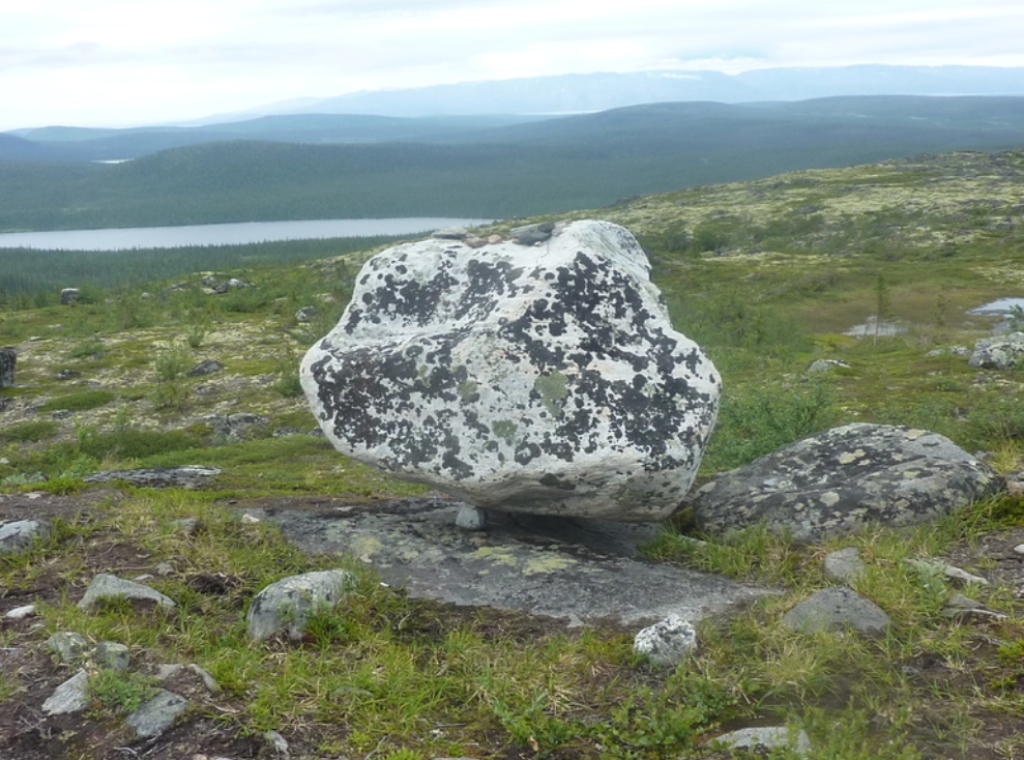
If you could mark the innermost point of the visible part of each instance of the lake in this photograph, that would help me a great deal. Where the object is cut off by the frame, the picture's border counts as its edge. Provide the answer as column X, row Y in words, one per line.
column 226, row 234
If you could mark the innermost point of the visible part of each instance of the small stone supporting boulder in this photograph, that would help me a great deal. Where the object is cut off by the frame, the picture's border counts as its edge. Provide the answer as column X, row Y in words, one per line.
column 8, row 360
column 544, row 379
column 845, row 478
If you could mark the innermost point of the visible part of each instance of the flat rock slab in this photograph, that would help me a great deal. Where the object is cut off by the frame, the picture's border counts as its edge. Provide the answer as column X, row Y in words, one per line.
column 576, row 568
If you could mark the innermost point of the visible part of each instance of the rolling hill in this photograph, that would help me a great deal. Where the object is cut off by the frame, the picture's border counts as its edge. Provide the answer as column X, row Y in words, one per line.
column 453, row 169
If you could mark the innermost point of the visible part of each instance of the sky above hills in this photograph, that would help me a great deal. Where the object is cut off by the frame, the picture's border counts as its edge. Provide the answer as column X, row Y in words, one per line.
column 129, row 62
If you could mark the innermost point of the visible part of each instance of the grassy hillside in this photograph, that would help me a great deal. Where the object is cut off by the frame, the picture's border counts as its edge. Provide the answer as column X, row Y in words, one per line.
column 767, row 275
column 541, row 167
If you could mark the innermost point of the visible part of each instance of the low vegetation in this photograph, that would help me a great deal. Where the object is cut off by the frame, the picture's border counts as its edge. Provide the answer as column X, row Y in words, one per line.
column 768, row 276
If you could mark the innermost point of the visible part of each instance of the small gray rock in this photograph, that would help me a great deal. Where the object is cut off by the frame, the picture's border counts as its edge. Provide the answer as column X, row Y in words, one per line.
column 111, row 655
column 451, row 233
column 533, row 233
column 827, row 365
column 157, row 715
column 68, row 645
column 69, row 296
column 277, row 742
column 105, row 586
column 305, row 314
column 950, row 571
column 71, row 696
column 836, row 608
column 287, row 604
column 166, row 672
column 207, row 367
column 766, row 737
column 19, row 535
column 667, row 642
column 235, row 427
column 844, row 566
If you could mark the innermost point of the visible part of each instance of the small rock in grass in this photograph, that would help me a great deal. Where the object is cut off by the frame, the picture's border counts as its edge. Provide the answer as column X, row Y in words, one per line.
column 666, row 643
column 278, row 742
column 20, row 613
column 844, row 566
column 287, row 604
column 766, row 738
column 110, row 655
column 105, row 586
column 68, row 645
column 71, row 696
column 836, row 608
column 19, row 535
column 157, row 715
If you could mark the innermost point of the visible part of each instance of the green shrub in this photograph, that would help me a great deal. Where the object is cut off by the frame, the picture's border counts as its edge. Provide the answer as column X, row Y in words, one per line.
column 756, row 421
column 121, row 692
column 90, row 347
column 134, row 444
column 80, row 401
column 170, row 365
column 24, row 432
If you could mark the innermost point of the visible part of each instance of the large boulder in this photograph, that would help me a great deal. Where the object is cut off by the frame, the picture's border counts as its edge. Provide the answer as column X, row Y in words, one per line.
column 845, row 478
column 538, row 378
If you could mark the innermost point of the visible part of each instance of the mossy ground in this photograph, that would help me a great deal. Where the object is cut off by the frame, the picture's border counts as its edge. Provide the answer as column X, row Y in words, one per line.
column 767, row 276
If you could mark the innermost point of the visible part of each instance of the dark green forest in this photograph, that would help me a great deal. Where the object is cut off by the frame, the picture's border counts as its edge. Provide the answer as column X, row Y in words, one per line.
column 548, row 166
column 32, row 278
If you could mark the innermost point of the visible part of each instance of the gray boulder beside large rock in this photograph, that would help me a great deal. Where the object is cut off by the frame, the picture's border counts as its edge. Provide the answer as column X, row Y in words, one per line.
column 544, row 379
column 846, row 478
column 1002, row 352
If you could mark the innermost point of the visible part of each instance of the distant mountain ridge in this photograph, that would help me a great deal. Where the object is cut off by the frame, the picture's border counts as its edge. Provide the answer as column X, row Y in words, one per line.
column 993, row 123
column 577, row 93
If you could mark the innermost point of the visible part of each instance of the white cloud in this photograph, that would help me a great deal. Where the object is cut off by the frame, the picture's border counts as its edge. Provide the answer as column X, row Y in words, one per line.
column 140, row 61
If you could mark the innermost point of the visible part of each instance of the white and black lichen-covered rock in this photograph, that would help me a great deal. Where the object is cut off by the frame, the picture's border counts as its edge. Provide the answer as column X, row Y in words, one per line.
column 544, row 379
column 845, row 478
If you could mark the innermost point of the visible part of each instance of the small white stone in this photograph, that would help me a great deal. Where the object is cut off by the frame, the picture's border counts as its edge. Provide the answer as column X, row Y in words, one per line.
column 666, row 643
column 20, row 613
column 471, row 518
column 248, row 519
column 1019, row 548
column 278, row 742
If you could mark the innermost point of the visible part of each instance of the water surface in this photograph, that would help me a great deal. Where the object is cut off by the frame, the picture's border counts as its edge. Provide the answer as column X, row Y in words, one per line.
column 226, row 234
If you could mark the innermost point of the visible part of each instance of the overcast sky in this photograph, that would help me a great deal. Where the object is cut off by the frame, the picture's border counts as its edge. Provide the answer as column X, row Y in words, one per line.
column 125, row 62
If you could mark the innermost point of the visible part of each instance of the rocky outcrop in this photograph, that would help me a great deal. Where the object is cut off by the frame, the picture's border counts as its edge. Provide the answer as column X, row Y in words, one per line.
column 1003, row 352
column 544, row 379
column 842, row 479
column 8, row 360
column 185, row 476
